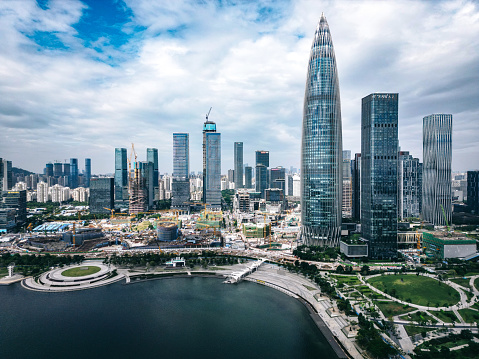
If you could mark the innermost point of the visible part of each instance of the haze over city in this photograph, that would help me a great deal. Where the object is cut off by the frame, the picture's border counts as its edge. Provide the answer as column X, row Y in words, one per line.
column 79, row 78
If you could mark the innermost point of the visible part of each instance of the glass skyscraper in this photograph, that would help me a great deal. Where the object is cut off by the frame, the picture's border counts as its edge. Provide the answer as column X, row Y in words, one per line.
column 261, row 172
column 379, row 173
column 321, row 146
column 437, row 158
column 211, row 165
column 73, row 172
column 121, row 175
column 238, row 165
column 101, row 194
column 409, row 186
column 87, row 172
column 152, row 156
column 181, row 169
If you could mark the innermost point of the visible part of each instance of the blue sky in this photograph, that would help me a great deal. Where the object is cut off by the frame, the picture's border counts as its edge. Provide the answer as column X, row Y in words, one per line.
column 79, row 78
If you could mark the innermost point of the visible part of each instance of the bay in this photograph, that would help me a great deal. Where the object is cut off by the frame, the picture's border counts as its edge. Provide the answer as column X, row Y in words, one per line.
column 180, row 318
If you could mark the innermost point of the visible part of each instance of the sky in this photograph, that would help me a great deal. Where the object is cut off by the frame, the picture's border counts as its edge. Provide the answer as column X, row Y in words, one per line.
column 79, row 78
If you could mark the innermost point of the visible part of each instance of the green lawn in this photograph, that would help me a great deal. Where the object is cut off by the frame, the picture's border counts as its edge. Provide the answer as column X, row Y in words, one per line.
column 476, row 283
column 447, row 317
column 391, row 309
column 419, row 317
column 417, row 289
column 349, row 280
column 80, row 271
column 469, row 315
column 413, row 330
column 461, row 281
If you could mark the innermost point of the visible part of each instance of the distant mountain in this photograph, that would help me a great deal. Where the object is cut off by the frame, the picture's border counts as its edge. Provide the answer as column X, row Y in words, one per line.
column 17, row 171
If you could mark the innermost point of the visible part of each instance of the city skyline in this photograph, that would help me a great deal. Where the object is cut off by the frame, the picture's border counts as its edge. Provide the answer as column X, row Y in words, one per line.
column 78, row 86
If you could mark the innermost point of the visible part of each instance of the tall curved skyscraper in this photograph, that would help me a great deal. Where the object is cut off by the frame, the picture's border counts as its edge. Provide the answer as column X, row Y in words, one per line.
column 321, row 147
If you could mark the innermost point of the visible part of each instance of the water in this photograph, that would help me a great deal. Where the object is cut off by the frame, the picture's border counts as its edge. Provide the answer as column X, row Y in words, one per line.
column 178, row 318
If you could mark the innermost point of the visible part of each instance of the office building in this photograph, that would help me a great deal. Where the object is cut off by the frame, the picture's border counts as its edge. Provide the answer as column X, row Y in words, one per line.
column 277, row 178
column 121, row 176
column 248, row 177
column 66, row 174
column 409, row 186
column 49, row 169
column 437, row 158
column 261, row 172
column 211, row 165
column 73, row 172
column 102, row 193
column 238, row 165
column 379, row 177
column 147, row 171
column 6, row 175
column 180, row 185
column 16, row 200
column 87, row 175
column 321, row 146
column 473, row 191
column 57, row 169
column 347, row 185
column 356, row 187
column 152, row 156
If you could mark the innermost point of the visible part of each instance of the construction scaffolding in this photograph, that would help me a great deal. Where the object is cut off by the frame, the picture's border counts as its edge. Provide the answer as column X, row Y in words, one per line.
column 137, row 186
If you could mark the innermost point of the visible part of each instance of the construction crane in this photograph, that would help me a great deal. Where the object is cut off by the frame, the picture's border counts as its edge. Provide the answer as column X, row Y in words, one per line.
column 208, row 114
column 112, row 212
column 445, row 218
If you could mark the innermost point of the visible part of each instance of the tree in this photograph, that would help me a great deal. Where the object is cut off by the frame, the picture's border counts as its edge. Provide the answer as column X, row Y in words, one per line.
column 365, row 270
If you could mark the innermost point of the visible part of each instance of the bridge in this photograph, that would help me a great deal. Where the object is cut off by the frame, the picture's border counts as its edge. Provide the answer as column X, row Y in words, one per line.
column 236, row 277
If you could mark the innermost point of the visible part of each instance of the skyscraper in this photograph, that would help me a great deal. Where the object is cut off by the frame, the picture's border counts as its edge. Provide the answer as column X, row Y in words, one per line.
column 66, row 174
column 321, row 146
column 181, row 170
column 57, row 169
column 6, row 175
column 437, row 158
column 121, row 176
column 347, row 185
column 73, row 172
column 277, row 178
column 87, row 172
column 379, row 179
column 49, row 169
column 211, row 165
column 356, row 186
column 409, row 186
column 101, row 194
column 473, row 191
column 248, row 176
column 261, row 172
column 152, row 156
column 238, row 170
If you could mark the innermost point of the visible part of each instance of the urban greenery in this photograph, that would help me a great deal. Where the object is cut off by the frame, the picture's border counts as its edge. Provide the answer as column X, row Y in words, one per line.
column 81, row 271
column 36, row 264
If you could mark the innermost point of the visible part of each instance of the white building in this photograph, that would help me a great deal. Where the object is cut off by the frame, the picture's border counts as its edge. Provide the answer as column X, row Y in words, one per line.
column 81, row 194
column 42, row 192
column 296, row 185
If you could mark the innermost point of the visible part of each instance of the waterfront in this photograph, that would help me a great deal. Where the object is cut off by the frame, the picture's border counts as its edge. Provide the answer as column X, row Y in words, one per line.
column 195, row 317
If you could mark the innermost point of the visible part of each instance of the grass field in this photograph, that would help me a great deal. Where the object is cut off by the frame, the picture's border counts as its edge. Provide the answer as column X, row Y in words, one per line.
column 349, row 280
column 461, row 281
column 447, row 317
column 391, row 309
column 80, row 271
column 419, row 317
column 469, row 315
column 417, row 289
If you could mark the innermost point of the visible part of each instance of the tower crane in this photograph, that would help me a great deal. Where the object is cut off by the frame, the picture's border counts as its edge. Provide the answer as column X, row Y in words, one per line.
column 208, row 114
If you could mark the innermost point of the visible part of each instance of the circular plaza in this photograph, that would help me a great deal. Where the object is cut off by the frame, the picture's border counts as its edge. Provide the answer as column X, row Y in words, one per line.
column 77, row 277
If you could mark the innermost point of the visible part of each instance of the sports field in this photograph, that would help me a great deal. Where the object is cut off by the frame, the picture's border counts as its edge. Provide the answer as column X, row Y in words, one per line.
column 80, row 271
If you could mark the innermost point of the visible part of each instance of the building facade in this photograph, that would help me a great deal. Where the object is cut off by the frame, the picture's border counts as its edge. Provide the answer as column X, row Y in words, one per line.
column 180, row 194
column 121, row 176
column 248, row 177
column 238, row 165
column 152, row 156
column 321, row 146
column 409, row 186
column 211, row 165
column 87, row 172
column 347, row 185
column 261, row 172
column 437, row 160
column 356, row 187
column 102, row 190
column 379, row 178
column 473, row 191
column 73, row 172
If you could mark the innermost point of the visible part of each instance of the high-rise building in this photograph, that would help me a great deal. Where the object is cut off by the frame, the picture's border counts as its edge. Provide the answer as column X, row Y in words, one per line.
column 437, row 158
column 57, row 169
column 277, row 178
column 180, row 186
column 49, row 169
column 73, row 172
column 87, row 172
column 261, row 172
column 211, row 165
column 347, row 185
column 321, row 146
column 42, row 192
column 248, row 177
column 121, row 176
column 6, row 175
column 356, row 187
column 409, row 186
column 473, row 191
column 16, row 200
column 66, row 174
column 379, row 178
column 238, row 165
column 147, row 172
column 152, row 156
column 102, row 191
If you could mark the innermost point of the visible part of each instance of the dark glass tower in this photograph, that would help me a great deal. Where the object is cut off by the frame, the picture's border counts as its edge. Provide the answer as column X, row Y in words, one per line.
column 101, row 194
column 87, row 172
column 121, row 175
column 152, row 156
column 261, row 172
column 73, row 173
column 321, row 147
column 379, row 173
column 238, row 173
column 181, row 170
